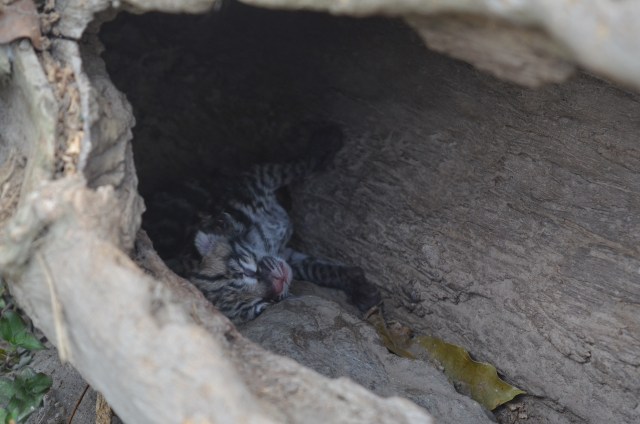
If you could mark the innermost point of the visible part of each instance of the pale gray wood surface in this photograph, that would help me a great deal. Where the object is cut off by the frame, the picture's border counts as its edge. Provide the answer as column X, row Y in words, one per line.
column 499, row 218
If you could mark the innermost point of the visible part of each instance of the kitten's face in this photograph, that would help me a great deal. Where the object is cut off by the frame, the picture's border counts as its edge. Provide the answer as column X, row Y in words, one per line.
column 237, row 282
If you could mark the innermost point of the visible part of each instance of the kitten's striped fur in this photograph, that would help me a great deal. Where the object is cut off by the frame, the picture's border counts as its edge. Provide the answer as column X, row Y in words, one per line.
column 242, row 239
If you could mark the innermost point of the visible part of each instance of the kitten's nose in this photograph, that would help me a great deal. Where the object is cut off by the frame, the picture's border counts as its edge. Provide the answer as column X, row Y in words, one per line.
column 276, row 272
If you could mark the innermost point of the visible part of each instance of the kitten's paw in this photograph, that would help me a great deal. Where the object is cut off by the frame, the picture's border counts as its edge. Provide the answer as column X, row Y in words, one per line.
column 364, row 295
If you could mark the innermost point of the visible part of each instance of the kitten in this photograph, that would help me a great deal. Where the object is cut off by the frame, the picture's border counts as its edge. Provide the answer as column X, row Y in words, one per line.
column 242, row 240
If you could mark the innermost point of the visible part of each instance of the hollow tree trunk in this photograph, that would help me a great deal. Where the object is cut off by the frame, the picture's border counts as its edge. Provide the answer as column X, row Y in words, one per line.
column 146, row 339
column 502, row 219
column 499, row 218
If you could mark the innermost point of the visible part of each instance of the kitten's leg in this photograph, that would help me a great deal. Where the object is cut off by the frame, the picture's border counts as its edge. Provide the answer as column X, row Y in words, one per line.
column 325, row 143
column 349, row 279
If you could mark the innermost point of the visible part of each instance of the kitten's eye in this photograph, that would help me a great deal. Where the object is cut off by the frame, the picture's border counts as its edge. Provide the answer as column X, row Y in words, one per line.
column 249, row 273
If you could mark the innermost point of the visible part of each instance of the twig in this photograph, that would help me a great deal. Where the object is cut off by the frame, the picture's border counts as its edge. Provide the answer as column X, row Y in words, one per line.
column 75, row 408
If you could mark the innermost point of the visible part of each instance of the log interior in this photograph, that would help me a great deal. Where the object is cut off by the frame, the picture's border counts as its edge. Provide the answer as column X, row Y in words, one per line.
column 500, row 218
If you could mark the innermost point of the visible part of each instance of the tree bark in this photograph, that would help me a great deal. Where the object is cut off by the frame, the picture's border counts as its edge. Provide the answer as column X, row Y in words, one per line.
column 146, row 339
column 499, row 218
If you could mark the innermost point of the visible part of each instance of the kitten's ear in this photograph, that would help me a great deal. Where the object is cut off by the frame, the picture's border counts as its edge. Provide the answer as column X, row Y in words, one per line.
column 205, row 243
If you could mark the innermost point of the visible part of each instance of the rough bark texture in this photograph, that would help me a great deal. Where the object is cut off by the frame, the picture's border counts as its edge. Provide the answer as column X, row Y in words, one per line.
column 324, row 336
column 501, row 219
column 526, row 56
column 150, row 342
column 156, row 348
column 598, row 35
column 27, row 151
column 482, row 208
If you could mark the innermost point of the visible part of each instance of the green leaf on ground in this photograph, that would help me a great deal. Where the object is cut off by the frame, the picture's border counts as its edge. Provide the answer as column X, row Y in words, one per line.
column 14, row 331
column 22, row 395
column 478, row 380
column 6, row 417
column 34, row 383
column 7, row 390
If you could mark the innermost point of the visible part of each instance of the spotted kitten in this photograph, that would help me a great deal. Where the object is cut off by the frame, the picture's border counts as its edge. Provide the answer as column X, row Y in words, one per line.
column 245, row 263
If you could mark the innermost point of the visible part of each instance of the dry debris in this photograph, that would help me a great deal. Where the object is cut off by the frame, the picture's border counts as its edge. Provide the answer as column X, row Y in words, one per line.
column 70, row 131
column 19, row 19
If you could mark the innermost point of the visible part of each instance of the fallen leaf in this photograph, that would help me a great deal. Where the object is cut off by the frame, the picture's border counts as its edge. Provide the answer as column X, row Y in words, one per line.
column 14, row 331
column 478, row 380
column 19, row 19
column 389, row 339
